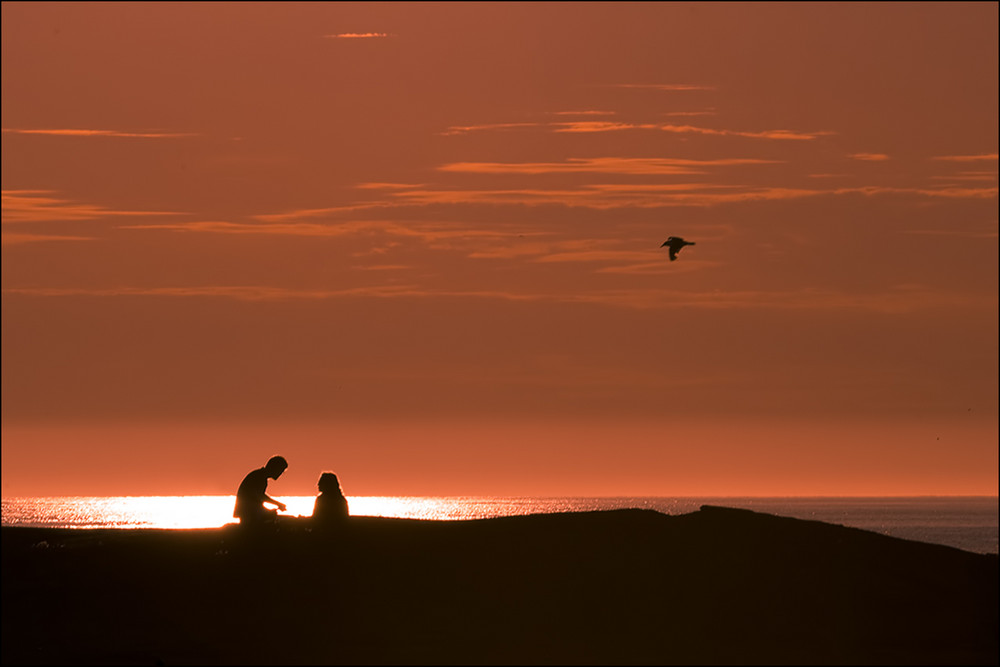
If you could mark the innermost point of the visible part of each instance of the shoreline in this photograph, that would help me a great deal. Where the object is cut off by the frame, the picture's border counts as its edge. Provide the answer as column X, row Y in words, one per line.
column 719, row 585
column 968, row 523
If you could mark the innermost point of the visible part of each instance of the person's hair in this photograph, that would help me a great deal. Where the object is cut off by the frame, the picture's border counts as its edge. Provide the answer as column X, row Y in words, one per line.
column 276, row 464
column 328, row 483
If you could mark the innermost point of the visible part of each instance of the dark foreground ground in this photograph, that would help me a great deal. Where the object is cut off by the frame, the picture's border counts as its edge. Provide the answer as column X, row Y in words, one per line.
column 622, row 587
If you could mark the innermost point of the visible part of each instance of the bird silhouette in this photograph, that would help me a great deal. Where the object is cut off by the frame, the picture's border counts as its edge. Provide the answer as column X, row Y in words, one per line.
column 674, row 245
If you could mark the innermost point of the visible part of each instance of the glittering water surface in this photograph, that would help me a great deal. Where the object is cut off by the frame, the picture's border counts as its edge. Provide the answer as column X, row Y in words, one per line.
column 968, row 523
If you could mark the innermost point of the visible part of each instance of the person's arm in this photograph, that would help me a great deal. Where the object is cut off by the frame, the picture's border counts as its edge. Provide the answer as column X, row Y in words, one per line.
column 281, row 505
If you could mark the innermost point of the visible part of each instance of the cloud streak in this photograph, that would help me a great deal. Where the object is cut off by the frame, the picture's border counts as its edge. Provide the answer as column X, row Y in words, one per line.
column 9, row 239
column 25, row 206
column 427, row 231
column 596, row 126
column 603, row 165
column 358, row 35
column 604, row 196
column 899, row 300
column 235, row 292
column 100, row 133
column 588, row 112
column 332, row 211
column 948, row 192
column 600, row 256
column 465, row 129
column 781, row 135
column 969, row 176
column 598, row 196
column 600, row 126
column 610, row 196
column 984, row 157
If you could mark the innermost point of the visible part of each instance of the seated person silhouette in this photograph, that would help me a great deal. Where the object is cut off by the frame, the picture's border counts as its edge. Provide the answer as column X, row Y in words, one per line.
column 330, row 510
column 252, row 495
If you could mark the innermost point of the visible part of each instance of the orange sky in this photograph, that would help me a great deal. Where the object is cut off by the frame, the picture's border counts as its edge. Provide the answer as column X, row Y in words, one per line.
column 419, row 244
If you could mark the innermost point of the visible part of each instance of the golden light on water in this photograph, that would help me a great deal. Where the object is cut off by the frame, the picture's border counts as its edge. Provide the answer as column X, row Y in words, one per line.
column 416, row 507
column 968, row 523
column 121, row 511
column 399, row 507
column 216, row 511
column 172, row 512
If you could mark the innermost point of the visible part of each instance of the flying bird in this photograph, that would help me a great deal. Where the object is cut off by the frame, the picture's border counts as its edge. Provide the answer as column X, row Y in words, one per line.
column 674, row 245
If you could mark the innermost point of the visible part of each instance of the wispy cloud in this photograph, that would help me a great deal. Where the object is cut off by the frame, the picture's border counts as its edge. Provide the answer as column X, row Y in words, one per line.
column 706, row 112
column 18, row 239
column 358, row 35
column 766, row 134
column 38, row 206
column 589, row 112
column 660, row 187
column 237, row 292
column 100, row 133
column 605, row 165
column 947, row 192
column 604, row 196
column 593, row 126
column 611, row 196
column 541, row 248
column 601, row 256
column 306, row 213
column 430, row 232
column 600, row 126
column 388, row 186
column 902, row 299
column 969, row 176
column 657, row 267
column 522, row 249
column 465, row 129
column 384, row 267
column 967, row 158
column 597, row 196
column 869, row 157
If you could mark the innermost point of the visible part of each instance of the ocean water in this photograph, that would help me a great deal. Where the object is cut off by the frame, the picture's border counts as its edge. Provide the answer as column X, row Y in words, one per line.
column 968, row 523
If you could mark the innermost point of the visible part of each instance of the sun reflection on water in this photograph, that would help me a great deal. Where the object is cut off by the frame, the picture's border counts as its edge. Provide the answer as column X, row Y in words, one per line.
column 120, row 512
column 965, row 523
column 417, row 507
column 216, row 511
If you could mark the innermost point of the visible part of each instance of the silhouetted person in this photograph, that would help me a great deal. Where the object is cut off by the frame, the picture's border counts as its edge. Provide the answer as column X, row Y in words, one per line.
column 252, row 494
column 674, row 245
column 331, row 505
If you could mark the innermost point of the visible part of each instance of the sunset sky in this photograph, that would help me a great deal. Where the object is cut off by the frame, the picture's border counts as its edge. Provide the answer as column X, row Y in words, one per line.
column 419, row 245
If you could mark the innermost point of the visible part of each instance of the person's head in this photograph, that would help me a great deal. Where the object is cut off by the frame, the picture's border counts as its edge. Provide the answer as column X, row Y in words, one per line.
column 275, row 466
column 328, row 483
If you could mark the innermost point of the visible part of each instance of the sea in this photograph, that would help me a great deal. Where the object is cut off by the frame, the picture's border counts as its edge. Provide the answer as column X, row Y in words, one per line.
column 965, row 522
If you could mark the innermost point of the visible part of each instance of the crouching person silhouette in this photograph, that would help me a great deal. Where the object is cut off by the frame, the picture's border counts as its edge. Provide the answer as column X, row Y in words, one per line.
column 252, row 495
column 330, row 510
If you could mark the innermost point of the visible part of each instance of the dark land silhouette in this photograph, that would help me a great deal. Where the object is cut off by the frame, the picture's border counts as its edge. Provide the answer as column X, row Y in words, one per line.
column 717, row 586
